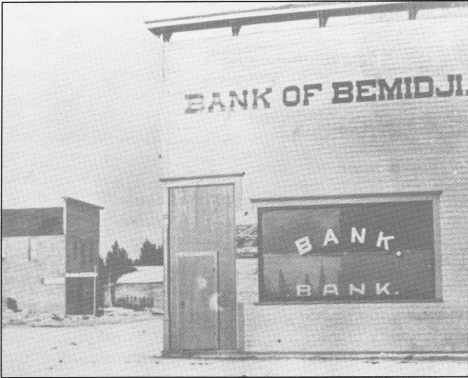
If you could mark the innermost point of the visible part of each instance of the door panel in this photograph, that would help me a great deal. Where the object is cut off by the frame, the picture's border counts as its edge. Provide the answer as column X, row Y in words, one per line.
column 201, row 218
column 79, row 295
column 196, row 319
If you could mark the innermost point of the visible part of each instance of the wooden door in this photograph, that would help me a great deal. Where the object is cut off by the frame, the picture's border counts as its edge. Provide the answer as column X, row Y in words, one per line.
column 79, row 295
column 73, row 295
column 201, row 252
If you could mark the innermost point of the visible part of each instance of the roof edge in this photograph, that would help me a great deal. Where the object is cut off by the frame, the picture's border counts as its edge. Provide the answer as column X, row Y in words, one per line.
column 201, row 177
column 33, row 208
column 237, row 19
column 283, row 9
column 82, row 203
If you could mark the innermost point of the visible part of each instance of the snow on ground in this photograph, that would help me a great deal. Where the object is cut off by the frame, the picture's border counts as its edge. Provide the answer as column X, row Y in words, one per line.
column 109, row 315
column 107, row 348
column 132, row 347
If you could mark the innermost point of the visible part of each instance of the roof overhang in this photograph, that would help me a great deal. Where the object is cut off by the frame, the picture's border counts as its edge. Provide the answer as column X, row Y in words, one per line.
column 290, row 12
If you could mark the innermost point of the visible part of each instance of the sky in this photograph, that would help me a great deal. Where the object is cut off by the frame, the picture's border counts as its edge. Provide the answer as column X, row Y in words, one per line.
column 81, row 111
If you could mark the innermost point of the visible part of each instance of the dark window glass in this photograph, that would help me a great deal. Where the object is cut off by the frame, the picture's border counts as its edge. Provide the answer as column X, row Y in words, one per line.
column 378, row 251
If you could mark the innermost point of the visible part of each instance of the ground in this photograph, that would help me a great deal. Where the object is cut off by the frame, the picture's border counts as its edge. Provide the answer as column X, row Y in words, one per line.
column 129, row 344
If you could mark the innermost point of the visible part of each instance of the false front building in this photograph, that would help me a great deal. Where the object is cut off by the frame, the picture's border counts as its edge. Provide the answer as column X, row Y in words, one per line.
column 49, row 257
column 329, row 144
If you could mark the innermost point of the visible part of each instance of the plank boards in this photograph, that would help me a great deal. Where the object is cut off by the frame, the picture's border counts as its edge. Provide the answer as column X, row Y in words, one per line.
column 201, row 219
column 196, row 319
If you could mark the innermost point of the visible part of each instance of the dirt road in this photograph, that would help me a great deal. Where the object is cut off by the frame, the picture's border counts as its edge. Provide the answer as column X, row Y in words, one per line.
column 133, row 349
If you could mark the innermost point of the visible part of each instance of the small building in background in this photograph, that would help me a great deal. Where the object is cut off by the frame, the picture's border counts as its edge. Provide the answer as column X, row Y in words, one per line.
column 49, row 257
column 141, row 288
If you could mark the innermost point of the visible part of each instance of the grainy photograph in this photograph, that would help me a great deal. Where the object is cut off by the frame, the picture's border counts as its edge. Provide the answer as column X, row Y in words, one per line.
column 234, row 189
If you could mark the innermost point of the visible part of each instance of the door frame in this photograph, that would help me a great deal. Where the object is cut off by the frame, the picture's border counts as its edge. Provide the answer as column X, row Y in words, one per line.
column 168, row 183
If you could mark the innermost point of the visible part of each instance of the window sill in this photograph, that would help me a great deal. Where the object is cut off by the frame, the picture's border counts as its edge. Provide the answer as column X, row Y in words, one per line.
column 346, row 302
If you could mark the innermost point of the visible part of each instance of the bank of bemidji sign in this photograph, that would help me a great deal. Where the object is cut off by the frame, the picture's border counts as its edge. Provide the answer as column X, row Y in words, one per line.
column 416, row 87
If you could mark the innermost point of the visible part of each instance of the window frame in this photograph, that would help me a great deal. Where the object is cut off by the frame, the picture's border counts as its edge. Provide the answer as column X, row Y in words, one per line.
column 286, row 203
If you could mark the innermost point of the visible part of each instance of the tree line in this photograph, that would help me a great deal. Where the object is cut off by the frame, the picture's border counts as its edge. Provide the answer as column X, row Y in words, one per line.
column 118, row 263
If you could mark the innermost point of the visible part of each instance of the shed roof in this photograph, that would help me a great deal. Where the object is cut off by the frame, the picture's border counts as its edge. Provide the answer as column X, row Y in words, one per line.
column 32, row 222
column 143, row 274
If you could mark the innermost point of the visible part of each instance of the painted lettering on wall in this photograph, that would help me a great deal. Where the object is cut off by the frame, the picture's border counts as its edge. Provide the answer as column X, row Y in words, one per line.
column 342, row 92
column 379, row 289
column 304, row 244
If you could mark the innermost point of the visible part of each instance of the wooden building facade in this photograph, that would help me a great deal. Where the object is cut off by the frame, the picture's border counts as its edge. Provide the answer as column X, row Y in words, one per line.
column 329, row 143
column 49, row 257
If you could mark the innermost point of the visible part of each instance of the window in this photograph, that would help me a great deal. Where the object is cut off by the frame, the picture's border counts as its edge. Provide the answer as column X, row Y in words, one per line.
column 348, row 252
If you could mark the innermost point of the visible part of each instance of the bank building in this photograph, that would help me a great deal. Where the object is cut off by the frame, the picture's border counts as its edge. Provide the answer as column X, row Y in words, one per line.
column 315, row 178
